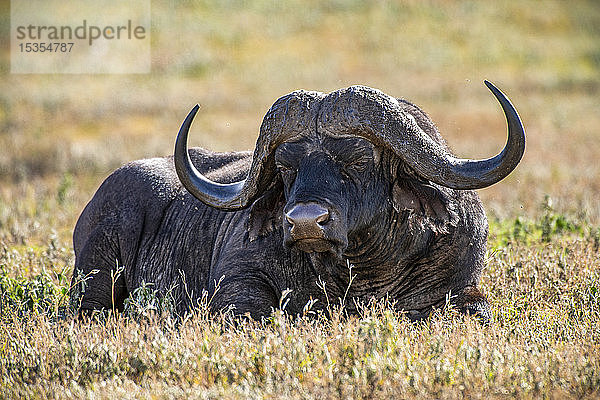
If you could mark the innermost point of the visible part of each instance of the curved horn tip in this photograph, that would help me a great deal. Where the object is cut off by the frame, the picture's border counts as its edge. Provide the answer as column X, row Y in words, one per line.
column 195, row 109
column 490, row 85
column 497, row 92
column 226, row 196
column 187, row 122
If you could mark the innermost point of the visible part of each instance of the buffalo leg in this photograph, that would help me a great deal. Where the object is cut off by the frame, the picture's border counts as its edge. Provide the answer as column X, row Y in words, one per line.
column 98, row 281
column 248, row 296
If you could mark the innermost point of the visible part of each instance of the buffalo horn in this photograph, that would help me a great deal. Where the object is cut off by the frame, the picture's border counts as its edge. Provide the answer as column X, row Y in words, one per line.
column 369, row 113
column 289, row 116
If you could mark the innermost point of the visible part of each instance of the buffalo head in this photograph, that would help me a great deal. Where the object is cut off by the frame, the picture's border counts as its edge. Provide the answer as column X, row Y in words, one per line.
column 329, row 165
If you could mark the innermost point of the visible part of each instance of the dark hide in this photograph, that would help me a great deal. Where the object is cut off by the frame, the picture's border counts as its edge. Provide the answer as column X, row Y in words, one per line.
column 407, row 239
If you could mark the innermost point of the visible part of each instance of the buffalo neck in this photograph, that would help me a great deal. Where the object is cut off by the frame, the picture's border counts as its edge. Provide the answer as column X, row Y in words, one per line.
column 381, row 256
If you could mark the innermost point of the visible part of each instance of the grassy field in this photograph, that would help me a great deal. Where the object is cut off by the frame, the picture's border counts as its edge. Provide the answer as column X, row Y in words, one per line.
column 62, row 134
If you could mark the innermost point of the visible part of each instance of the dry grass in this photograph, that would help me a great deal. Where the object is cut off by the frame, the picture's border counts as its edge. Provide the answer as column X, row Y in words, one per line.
column 543, row 342
column 62, row 134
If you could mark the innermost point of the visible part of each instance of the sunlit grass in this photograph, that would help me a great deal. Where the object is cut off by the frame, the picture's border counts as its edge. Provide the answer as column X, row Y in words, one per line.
column 543, row 341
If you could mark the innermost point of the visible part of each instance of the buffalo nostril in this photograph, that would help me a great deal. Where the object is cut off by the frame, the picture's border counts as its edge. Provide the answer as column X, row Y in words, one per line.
column 307, row 217
column 289, row 219
column 323, row 218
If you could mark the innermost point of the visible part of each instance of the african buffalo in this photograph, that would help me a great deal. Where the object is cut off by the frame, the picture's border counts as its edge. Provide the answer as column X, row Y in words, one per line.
column 354, row 178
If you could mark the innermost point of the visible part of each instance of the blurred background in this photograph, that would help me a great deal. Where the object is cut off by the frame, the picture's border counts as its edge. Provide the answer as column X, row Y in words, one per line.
column 61, row 135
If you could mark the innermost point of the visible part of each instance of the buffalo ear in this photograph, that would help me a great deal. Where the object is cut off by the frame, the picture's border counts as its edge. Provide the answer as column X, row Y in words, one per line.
column 423, row 199
column 266, row 211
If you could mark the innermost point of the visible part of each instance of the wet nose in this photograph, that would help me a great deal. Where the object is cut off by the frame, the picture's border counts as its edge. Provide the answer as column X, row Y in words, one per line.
column 307, row 219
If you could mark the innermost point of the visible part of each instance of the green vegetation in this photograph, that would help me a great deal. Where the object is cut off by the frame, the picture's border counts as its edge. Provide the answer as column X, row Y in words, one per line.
column 62, row 134
column 545, row 228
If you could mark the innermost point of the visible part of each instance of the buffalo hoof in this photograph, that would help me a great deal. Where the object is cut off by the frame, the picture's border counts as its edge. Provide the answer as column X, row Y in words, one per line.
column 473, row 303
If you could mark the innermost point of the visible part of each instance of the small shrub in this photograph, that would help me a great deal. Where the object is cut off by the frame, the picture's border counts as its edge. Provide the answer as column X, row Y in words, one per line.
column 39, row 295
column 146, row 302
column 544, row 228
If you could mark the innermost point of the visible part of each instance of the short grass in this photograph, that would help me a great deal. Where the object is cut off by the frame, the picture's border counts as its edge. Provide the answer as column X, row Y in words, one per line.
column 62, row 134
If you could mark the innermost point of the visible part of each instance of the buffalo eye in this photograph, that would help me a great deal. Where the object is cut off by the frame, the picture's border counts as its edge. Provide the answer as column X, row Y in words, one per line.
column 354, row 168
column 287, row 173
column 359, row 165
